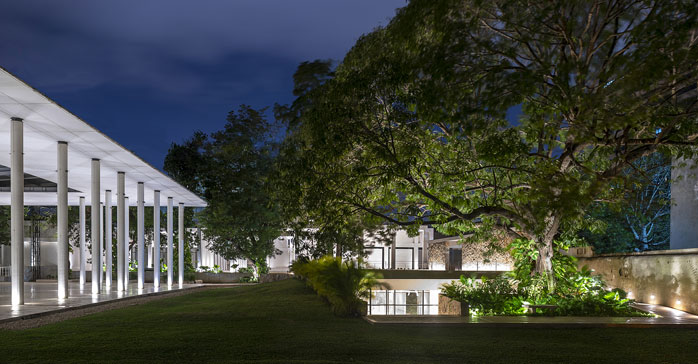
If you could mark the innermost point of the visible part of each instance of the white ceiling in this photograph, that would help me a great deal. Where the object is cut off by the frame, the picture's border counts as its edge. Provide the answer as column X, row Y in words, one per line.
column 46, row 123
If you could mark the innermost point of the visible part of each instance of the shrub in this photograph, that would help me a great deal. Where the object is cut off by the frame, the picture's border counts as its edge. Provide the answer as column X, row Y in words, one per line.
column 488, row 297
column 344, row 284
column 246, row 270
column 580, row 293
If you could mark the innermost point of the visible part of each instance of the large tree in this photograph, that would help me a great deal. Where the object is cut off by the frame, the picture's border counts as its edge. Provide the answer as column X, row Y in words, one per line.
column 230, row 169
column 412, row 127
column 320, row 225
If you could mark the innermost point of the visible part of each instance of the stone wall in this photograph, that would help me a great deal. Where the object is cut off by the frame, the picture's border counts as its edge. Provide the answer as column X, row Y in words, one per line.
column 449, row 307
column 472, row 252
column 666, row 277
column 223, row 277
column 273, row 277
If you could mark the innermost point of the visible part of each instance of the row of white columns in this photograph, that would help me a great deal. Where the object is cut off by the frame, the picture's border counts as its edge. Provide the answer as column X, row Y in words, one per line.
column 98, row 239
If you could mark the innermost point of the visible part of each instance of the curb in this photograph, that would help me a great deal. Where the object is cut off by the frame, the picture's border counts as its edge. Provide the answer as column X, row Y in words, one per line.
column 536, row 325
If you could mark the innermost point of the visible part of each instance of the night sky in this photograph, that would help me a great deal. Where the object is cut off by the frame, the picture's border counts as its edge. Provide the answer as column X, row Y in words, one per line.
column 149, row 73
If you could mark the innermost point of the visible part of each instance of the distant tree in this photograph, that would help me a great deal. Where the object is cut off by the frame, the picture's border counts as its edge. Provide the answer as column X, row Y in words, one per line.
column 639, row 220
column 411, row 127
column 650, row 203
column 185, row 162
column 230, row 169
column 606, row 229
column 5, row 225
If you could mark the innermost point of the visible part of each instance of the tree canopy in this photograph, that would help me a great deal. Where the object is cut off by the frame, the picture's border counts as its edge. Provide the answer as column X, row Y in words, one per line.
column 230, row 168
column 411, row 127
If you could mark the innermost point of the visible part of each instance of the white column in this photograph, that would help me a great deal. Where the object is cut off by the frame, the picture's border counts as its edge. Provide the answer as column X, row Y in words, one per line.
column 141, row 236
column 107, row 237
column 83, row 248
column 425, row 250
column 393, row 252
column 423, row 245
column 101, row 245
column 120, row 236
column 94, row 217
column 127, row 245
column 170, row 253
column 17, row 210
column 181, row 244
column 62, row 262
column 156, row 239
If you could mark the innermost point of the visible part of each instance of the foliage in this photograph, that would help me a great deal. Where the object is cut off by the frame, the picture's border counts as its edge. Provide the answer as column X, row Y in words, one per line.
column 579, row 293
column 250, row 279
column 607, row 230
column 246, row 270
column 344, row 284
column 206, row 269
column 525, row 255
column 5, row 225
column 640, row 220
column 189, row 277
column 318, row 228
column 411, row 127
column 488, row 297
column 230, row 168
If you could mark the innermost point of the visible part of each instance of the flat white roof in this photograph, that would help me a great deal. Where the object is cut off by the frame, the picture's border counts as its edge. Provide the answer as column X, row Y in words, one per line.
column 46, row 123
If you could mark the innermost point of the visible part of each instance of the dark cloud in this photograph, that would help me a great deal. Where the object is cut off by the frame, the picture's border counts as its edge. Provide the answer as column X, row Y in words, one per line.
column 85, row 43
column 150, row 72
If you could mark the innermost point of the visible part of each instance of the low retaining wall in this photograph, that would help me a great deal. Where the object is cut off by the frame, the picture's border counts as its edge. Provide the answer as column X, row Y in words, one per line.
column 665, row 277
column 223, row 277
column 273, row 277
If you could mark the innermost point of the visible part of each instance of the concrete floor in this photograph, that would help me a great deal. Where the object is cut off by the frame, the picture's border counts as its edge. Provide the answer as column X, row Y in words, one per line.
column 669, row 317
column 40, row 297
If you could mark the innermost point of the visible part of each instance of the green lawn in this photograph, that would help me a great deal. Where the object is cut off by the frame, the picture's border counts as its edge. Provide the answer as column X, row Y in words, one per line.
column 285, row 322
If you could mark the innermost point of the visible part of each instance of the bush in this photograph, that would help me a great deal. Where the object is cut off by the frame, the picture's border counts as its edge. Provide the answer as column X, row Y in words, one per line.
column 344, row 284
column 246, row 270
column 578, row 293
column 488, row 297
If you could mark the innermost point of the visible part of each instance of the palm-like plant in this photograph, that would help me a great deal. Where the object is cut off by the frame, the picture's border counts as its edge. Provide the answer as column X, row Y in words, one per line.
column 344, row 284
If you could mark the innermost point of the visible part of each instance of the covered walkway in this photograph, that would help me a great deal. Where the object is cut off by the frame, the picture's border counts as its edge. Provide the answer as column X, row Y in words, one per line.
column 58, row 159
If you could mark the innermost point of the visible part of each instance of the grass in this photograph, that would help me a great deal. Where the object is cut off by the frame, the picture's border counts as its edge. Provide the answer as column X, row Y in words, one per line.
column 286, row 322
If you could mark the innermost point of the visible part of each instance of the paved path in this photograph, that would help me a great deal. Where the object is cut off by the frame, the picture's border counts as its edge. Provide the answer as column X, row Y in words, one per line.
column 669, row 317
column 40, row 298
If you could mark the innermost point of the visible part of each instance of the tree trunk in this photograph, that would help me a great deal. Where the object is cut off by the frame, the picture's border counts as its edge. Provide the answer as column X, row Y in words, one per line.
column 338, row 252
column 544, row 264
column 546, row 249
column 254, row 267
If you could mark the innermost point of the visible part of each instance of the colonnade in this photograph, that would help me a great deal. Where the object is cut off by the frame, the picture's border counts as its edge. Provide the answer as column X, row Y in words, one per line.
column 98, row 239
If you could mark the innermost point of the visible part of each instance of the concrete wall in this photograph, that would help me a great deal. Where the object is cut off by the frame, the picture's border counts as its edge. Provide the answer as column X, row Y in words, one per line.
column 273, row 277
column 280, row 262
column 684, row 207
column 665, row 277
column 220, row 277
column 407, row 256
